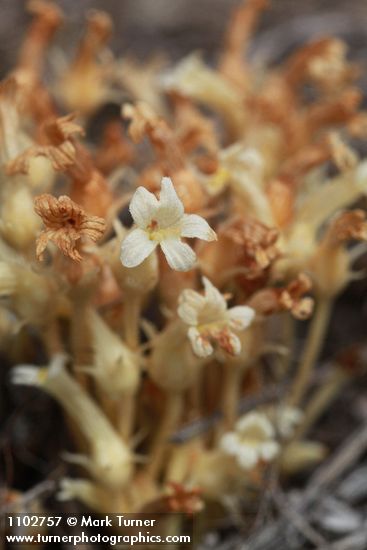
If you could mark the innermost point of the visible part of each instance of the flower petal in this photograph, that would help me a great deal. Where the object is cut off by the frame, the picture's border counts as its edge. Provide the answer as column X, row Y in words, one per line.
column 248, row 457
column 240, row 317
column 190, row 304
column 255, row 422
column 136, row 247
column 213, row 297
column 201, row 346
column 143, row 207
column 230, row 443
column 269, row 450
column 178, row 255
column 195, row 226
column 228, row 341
column 170, row 209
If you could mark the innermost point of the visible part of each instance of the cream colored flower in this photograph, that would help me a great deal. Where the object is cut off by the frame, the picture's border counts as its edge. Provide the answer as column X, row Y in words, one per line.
column 287, row 419
column 252, row 441
column 210, row 320
column 163, row 222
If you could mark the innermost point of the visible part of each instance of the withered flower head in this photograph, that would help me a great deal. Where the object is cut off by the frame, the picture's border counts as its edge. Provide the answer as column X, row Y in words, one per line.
column 66, row 223
column 194, row 129
column 183, row 500
column 331, row 70
column 61, row 129
column 347, row 226
column 257, row 244
column 293, row 298
column 290, row 298
column 142, row 118
column 60, row 149
column 145, row 122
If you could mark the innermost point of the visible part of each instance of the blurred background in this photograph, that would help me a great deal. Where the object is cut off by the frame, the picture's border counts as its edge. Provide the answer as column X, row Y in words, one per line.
column 180, row 26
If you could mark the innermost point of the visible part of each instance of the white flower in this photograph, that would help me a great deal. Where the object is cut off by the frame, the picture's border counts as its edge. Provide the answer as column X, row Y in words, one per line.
column 287, row 419
column 252, row 441
column 210, row 320
column 163, row 222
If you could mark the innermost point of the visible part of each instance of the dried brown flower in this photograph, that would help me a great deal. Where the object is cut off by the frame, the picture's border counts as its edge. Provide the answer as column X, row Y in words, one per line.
column 66, row 222
column 256, row 242
column 182, row 500
column 333, row 111
column 145, row 122
column 290, row 298
column 61, row 153
column 347, row 226
column 297, row 66
column 194, row 130
column 331, row 70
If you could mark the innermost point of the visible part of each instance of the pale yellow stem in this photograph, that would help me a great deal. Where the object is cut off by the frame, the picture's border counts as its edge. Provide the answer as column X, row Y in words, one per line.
column 131, row 315
column 284, row 360
column 52, row 338
column 169, row 422
column 127, row 405
column 231, row 394
column 126, row 415
column 315, row 339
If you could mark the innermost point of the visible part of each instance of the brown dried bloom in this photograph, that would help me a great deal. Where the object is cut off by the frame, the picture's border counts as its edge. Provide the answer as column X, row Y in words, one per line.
column 290, row 298
column 145, row 122
column 62, row 153
column 66, row 223
column 183, row 500
column 347, row 226
column 257, row 244
column 334, row 111
column 332, row 70
column 194, row 130
column 297, row 67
